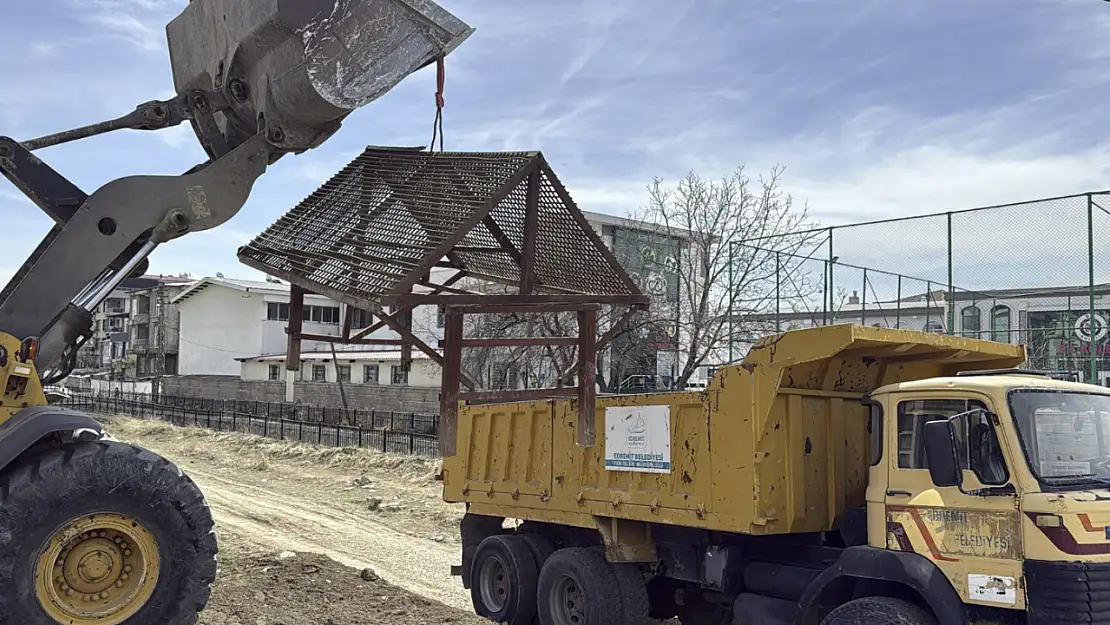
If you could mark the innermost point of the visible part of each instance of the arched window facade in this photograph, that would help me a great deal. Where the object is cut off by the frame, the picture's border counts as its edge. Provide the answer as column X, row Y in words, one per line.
column 1000, row 324
column 971, row 321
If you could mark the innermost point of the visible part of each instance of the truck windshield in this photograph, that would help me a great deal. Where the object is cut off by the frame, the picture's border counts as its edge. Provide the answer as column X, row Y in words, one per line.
column 1066, row 435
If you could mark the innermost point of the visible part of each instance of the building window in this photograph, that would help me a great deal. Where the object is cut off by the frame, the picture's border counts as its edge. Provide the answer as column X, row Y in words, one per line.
column 370, row 374
column 344, row 372
column 441, row 317
column 360, row 318
column 321, row 314
column 319, row 373
column 399, row 375
column 115, row 305
column 1000, row 324
column 275, row 372
column 971, row 321
column 276, row 311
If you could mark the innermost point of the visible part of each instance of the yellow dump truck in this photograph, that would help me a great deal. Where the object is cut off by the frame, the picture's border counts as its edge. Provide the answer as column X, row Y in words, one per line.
column 838, row 475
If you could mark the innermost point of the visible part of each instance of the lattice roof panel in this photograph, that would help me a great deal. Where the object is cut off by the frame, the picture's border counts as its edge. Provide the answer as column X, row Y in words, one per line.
column 379, row 224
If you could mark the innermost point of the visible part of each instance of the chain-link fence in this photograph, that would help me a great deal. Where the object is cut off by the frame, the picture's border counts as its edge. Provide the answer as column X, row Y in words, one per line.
column 1031, row 273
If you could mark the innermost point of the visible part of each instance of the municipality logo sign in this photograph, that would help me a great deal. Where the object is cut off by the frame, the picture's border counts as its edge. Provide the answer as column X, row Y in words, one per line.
column 638, row 438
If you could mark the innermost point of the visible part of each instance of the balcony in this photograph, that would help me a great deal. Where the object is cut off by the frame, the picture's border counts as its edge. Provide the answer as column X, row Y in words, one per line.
column 139, row 346
column 139, row 319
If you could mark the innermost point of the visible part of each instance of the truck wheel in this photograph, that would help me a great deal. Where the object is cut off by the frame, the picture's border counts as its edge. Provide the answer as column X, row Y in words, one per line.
column 541, row 547
column 102, row 533
column 577, row 587
column 634, row 594
column 879, row 611
column 503, row 580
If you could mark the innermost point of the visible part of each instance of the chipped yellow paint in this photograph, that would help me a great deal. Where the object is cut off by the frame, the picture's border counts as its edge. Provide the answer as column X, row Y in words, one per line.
column 19, row 382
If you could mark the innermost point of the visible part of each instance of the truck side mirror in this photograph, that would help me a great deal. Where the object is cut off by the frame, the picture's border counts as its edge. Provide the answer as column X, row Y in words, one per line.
column 940, row 451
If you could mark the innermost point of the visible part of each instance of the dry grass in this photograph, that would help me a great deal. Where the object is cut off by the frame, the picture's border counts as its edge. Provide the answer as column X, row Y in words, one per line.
column 414, row 469
column 399, row 490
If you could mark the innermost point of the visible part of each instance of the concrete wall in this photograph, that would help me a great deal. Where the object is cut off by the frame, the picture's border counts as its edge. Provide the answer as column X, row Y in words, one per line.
column 420, row 400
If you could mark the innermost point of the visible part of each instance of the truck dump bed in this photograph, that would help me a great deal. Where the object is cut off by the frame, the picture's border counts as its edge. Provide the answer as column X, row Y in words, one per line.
column 776, row 444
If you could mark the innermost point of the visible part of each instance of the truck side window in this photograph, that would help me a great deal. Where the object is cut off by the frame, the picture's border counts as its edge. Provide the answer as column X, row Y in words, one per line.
column 875, row 428
column 977, row 445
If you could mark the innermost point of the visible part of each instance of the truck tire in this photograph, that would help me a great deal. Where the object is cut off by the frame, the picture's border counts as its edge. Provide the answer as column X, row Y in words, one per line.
column 503, row 580
column 106, row 533
column 634, row 594
column 541, row 547
column 879, row 611
column 577, row 587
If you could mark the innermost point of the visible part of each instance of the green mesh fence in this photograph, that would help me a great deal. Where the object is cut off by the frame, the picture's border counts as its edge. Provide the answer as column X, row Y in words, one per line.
column 1031, row 273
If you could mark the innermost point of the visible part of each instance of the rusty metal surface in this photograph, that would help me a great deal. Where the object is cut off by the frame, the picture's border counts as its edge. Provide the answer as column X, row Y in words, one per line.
column 377, row 226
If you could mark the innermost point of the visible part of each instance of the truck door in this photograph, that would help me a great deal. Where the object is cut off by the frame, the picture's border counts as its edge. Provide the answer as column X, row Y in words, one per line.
column 973, row 537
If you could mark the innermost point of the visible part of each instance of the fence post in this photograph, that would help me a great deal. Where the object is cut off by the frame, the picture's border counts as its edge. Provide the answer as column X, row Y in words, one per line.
column 898, row 308
column 778, row 293
column 337, row 426
column 319, row 432
column 383, row 442
column 1091, row 285
column 832, row 283
column 360, row 437
column 282, row 424
column 863, row 300
column 731, row 301
column 951, row 287
column 928, row 302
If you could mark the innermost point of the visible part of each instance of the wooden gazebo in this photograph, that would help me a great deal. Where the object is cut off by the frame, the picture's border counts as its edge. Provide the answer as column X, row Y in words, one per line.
column 375, row 231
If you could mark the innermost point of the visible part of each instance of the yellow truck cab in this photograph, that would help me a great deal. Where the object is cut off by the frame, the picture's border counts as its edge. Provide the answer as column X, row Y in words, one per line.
column 838, row 475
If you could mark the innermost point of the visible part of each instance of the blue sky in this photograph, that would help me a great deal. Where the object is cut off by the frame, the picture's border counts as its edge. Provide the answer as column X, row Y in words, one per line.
column 877, row 108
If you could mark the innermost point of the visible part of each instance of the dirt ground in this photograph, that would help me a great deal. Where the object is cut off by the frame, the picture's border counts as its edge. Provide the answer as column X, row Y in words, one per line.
column 339, row 510
column 286, row 588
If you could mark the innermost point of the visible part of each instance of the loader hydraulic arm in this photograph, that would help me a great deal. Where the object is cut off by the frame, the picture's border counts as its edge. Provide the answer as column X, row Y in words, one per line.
column 256, row 81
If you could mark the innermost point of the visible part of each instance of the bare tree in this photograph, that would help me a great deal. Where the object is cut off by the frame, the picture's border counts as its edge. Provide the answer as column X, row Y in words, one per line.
column 739, row 238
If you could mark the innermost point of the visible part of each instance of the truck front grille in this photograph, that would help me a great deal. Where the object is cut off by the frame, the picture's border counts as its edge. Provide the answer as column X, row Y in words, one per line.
column 1067, row 592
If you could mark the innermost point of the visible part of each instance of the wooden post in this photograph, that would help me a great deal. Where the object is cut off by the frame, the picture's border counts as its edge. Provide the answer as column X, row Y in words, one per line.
column 449, row 390
column 338, row 378
column 531, row 225
column 293, row 350
column 406, row 347
column 587, row 377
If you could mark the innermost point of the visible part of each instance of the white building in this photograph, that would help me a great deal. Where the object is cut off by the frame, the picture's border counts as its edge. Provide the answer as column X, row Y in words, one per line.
column 224, row 321
column 354, row 367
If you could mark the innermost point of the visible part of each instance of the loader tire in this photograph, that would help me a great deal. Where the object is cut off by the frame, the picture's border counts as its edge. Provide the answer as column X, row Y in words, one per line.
column 103, row 533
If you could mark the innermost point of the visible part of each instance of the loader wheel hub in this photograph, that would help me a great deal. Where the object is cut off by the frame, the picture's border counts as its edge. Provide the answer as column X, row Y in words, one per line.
column 97, row 570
